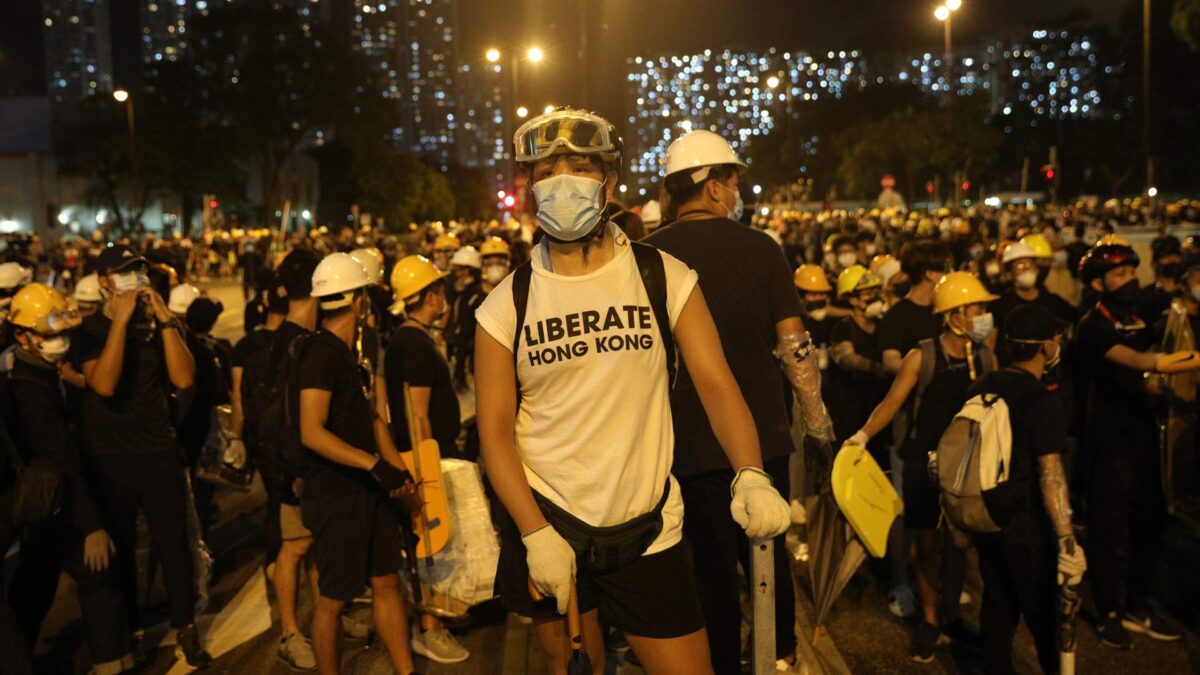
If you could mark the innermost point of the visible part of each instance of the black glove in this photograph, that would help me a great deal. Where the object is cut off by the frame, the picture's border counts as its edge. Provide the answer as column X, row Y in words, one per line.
column 389, row 477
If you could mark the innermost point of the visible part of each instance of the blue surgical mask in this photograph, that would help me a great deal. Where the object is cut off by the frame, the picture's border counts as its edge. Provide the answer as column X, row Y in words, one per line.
column 738, row 205
column 981, row 327
column 568, row 206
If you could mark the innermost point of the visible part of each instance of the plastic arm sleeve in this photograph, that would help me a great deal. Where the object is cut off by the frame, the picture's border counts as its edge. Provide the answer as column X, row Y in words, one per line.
column 1055, row 495
column 798, row 358
column 845, row 356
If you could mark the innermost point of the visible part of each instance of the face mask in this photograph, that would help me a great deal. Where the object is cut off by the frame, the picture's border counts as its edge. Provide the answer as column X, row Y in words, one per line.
column 871, row 248
column 976, row 253
column 817, row 310
column 54, row 349
column 1124, row 297
column 981, row 327
column 1026, row 280
column 494, row 274
column 568, row 206
column 130, row 281
column 875, row 309
column 738, row 205
column 847, row 259
column 1060, row 258
column 991, row 269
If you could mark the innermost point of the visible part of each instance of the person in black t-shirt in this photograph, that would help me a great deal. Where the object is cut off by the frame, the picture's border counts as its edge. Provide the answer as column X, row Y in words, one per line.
column 1018, row 564
column 413, row 362
column 467, row 268
column 1126, row 511
column 912, row 319
column 1168, row 269
column 356, row 532
column 1027, row 288
column 859, row 383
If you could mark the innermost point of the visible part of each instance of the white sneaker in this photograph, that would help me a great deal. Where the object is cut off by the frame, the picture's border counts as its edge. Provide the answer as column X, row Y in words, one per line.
column 439, row 645
column 296, row 651
column 355, row 628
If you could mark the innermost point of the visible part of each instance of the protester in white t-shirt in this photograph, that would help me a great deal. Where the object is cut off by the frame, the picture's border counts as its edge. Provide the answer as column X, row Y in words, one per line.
column 590, row 428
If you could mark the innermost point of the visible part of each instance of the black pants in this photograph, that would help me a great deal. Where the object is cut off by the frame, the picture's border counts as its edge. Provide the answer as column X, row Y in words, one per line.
column 45, row 553
column 16, row 654
column 1018, row 581
column 153, row 482
column 1126, row 516
column 718, row 545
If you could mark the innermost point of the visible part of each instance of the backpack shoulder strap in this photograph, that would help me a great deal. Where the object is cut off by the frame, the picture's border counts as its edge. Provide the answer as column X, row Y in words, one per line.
column 654, row 278
column 929, row 357
column 520, row 290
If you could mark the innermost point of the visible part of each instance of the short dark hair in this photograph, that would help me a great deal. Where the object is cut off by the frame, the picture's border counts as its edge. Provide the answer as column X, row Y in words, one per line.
column 840, row 241
column 917, row 258
column 419, row 300
column 203, row 313
column 681, row 190
column 295, row 273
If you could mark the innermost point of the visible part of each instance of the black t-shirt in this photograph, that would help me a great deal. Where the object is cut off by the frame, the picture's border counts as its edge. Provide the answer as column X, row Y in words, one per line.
column 329, row 365
column 250, row 342
column 281, row 339
column 942, row 398
column 136, row 419
column 906, row 324
column 1154, row 301
column 1038, row 425
column 854, row 394
column 412, row 358
column 1116, row 395
column 747, row 285
column 1009, row 300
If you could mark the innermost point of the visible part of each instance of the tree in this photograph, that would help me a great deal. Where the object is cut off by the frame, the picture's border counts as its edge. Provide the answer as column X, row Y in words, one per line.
column 1185, row 22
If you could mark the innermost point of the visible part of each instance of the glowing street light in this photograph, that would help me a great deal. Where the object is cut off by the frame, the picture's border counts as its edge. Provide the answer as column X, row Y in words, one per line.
column 953, row 5
column 1152, row 192
column 535, row 54
column 121, row 95
column 492, row 55
column 942, row 13
column 522, row 112
column 772, row 82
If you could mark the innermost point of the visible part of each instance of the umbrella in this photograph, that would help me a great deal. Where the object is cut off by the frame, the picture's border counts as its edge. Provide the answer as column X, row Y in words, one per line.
column 579, row 663
column 834, row 554
column 1068, row 609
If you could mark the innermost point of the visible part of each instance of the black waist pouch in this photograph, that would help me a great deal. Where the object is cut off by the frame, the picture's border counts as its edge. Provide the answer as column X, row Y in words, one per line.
column 606, row 549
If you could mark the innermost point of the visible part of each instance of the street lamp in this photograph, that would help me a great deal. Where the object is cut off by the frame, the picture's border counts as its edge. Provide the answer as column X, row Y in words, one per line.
column 535, row 54
column 492, row 55
column 772, row 82
column 548, row 109
column 522, row 112
column 944, row 13
column 122, row 96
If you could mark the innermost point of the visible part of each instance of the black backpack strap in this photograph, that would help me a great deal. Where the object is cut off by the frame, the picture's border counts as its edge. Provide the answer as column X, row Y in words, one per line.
column 654, row 278
column 520, row 290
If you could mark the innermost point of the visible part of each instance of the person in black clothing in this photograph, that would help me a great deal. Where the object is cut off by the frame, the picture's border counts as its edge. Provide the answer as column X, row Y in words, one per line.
column 74, row 539
column 467, row 267
column 356, row 533
column 1126, row 511
column 749, row 290
column 859, row 381
column 933, row 393
column 131, row 352
column 1027, row 288
column 912, row 319
column 1168, row 269
column 1019, row 564
column 251, row 262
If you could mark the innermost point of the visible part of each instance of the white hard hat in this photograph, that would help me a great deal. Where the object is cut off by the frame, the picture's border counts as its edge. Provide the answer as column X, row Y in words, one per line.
column 698, row 150
column 337, row 275
column 652, row 212
column 1016, row 252
column 467, row 256
column 182, row 297
column 88, row 289
column 372, row 261
column 14, row 275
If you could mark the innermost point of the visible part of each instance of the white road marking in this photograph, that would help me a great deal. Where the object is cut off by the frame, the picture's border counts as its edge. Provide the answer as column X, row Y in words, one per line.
column 246, row 617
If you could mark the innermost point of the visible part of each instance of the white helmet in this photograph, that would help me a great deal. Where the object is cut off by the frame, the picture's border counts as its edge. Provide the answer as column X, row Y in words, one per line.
column 697, row 151
column 652, row 213
column 1016, row 252
column 372, row 261
column 182, row 297
column 88, row 289
column 14, row 275
column 336, row 277
column 467, row 256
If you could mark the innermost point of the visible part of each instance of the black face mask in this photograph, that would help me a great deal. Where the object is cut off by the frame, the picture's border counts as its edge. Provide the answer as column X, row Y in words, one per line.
column 901, row 288
column 1125, row 297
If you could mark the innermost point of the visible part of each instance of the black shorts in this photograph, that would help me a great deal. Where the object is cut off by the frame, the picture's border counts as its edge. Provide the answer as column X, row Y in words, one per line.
column 356, row 536
column 922, row 510
column 655, row 596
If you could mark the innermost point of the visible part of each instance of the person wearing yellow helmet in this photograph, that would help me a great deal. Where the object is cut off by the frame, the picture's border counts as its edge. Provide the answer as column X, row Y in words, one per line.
column 495, row 257
column 444, row 246
column 35, row 419
column 1022, row 262
column 932, row 384
column 857, row 371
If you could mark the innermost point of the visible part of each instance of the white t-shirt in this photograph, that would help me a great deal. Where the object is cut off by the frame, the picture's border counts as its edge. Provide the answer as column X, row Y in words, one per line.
column 594, row 426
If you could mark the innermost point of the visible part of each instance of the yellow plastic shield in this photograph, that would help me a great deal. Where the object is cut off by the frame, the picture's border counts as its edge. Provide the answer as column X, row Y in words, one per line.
column 432, row 524
column 865, row 496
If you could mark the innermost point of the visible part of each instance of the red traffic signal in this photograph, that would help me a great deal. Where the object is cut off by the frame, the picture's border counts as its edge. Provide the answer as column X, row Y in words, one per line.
column 929, row 188
column 1048, row 171
column 509, row 201
column 966, row 185
column 212, row 204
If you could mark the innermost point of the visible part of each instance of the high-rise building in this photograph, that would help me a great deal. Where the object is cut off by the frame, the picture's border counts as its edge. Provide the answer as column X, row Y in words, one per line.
column 482, row 140
column 1049, row 73
column 164, row 28
column 78, row 44
column 430, row 101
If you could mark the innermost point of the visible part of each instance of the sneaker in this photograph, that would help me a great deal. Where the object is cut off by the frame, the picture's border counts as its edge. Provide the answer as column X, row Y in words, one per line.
column 925, row 639
column 439, row 645
column 961, row 635
column 188, row 648
column 1113, row 634
column 296, row 651
column 1151, row 624
column 355, row 628
column 902, row 603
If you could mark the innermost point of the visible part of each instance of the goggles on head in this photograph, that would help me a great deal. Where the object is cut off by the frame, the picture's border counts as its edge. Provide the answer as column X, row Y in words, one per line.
column 565, row 131
column 55, row 322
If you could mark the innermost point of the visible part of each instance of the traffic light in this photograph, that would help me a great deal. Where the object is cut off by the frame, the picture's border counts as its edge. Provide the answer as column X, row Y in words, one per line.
column 966, row 185
column 929, row 187
column 213, row 203
column 1048, row 172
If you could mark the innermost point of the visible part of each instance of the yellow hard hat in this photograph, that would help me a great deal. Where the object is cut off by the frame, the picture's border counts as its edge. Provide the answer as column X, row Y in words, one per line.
column 410, row 276
column 943, row 212
column 1039, row 245
column 958, row 289
column 493, row 246
column 446, row 242
column 856, row 278
column 811, row 278
column 1112, row 240
column 43, row 309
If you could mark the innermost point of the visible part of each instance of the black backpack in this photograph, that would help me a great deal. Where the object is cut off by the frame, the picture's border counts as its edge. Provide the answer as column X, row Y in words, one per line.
column 296, row 459
column 654, row 280
column 257, row 382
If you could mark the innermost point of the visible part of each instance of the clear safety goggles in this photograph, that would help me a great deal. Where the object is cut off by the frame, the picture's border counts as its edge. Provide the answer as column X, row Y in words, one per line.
column 563, row 131
column 57, row 322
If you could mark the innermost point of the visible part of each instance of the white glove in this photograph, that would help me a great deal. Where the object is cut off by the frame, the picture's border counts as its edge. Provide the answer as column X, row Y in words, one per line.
column 551, row 562
column 859, row 439
column 1071, row 562
column 235, row 454
column 757, row 506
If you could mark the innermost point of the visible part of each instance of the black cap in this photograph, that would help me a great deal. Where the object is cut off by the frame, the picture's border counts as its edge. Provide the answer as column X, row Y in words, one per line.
column 116, row 258
column 1032, row 323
